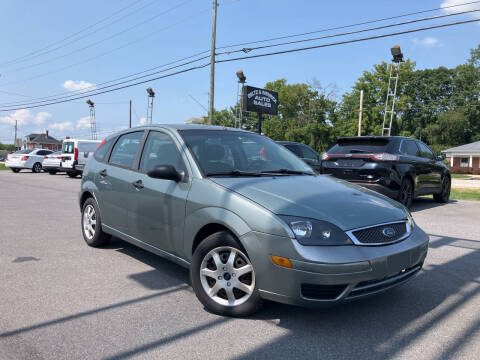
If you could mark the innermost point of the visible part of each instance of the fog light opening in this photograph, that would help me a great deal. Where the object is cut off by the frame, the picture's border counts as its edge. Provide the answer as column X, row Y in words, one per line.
column 281, row 261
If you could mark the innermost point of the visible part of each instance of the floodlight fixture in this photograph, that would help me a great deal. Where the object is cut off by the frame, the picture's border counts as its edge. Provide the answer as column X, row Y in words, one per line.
column 150, row 92
column 241, row 76
column 90, row 103
column 396, row 53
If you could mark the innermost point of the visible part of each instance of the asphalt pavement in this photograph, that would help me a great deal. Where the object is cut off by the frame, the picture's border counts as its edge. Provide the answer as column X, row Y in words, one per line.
column 60, row 299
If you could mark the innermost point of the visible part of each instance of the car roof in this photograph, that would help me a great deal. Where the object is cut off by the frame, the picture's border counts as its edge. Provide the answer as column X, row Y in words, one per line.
column 373, row 137
column 288, row 142
column 187, row 127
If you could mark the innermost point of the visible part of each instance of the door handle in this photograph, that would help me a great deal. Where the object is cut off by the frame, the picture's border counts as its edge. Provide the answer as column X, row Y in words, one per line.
column 138, row 184
column 103, row 172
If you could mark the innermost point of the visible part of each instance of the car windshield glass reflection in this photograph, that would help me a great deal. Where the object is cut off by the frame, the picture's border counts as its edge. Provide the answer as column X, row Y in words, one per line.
column 235, row 153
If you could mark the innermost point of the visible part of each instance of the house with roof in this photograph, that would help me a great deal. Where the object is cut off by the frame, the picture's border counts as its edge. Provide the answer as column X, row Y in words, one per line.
column 464, row 158
column 42, row 141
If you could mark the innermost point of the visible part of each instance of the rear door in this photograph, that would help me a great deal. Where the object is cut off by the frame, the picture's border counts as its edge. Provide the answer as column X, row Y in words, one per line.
column 68, row 154
column 353, row 159
column 114, row 180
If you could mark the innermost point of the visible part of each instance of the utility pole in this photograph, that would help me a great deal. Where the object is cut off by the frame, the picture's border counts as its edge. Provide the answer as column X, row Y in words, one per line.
column 15, row 141
column 360, row 114
column 212, row 64
column 130, row 122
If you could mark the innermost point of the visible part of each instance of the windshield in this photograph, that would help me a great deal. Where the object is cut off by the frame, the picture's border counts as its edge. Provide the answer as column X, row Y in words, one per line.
column 240, row 153
column 67, row 147
column 24, row 151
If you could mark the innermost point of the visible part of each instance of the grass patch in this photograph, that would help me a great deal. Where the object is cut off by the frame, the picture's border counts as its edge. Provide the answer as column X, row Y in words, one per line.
column 465, row 194
column 3, row 167
column 460, row 176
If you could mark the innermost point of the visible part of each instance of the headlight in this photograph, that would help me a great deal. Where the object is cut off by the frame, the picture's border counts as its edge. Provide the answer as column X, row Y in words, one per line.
column 316, row 232
column 410, row 219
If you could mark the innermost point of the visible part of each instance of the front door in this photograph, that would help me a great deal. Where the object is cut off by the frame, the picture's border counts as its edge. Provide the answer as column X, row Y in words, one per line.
column 433, row 180
column 157, row 209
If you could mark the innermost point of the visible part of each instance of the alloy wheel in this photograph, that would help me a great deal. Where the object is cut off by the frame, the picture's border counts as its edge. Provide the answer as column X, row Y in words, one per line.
column 89, row 221
column 406, row 194
column 227, row 276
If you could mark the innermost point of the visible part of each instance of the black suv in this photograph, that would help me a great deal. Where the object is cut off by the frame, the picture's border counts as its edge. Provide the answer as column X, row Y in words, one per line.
column 399, row 167
column 304, row 152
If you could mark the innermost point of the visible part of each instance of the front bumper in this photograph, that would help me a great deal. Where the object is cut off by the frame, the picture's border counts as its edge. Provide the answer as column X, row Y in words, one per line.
column 327, row 275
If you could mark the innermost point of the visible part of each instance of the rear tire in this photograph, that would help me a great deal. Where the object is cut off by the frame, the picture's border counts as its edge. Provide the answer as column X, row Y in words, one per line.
column 223, row 277
column 37, row 168
column 72, row 174
column 444, row 195
column 52, row 172
column 406, row 193
column 15, row 170
column 92, row 225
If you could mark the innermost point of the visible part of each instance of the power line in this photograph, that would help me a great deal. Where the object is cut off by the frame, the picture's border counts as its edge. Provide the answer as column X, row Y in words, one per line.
column 115, row 89
column 348, row 26
column 88, row 93
column 349, row 41
column 99, row 41
column 71, row 35
column 246, row 50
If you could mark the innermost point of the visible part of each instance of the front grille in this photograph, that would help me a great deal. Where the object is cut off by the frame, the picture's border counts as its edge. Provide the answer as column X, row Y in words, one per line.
column 322, row 292
column 382, row 234
column 370, row 287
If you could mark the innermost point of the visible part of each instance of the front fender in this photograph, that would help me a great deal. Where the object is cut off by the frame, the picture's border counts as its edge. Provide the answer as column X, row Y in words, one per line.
column 211, row 215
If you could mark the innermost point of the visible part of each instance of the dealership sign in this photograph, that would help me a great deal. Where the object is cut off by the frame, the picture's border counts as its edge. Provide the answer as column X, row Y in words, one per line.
column 261, row 101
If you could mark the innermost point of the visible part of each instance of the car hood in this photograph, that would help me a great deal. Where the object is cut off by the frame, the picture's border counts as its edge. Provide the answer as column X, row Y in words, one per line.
column 319, row 197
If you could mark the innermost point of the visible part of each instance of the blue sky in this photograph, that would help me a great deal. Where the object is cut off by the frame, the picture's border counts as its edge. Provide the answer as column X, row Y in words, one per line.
column 157, row 37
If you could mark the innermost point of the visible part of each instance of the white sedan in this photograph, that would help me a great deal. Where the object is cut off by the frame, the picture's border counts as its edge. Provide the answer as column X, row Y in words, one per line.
column 27, row 159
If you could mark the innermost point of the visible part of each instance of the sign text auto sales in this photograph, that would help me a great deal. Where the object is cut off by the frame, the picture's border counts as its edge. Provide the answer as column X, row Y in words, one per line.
column 260, row 100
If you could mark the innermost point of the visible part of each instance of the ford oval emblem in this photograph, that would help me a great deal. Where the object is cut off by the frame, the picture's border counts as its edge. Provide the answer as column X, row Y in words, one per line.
column 389, row 232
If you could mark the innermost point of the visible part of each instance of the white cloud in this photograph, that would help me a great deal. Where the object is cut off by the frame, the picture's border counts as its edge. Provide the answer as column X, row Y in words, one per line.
column 142, row 121
column 84, row 123
column 67, row 125
column 467, row 7
column 78, row 85
column 25, row 117
column 428, row 41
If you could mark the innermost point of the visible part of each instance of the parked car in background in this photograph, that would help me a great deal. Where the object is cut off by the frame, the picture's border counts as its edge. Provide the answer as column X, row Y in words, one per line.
column 399, row 167
column 75, row 153
column 31, row 159
column 51, row 163
column 304, row 152
column 250, row 219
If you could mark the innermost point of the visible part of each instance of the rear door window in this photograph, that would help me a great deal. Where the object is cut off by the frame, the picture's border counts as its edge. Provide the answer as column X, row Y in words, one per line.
column 357, row 146
column 102, row 151
column 68, row 147
column 308, row 153
column 410, row 148
column 125, row 149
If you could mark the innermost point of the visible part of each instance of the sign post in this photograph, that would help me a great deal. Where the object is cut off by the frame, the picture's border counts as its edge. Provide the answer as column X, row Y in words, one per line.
column 261, row 101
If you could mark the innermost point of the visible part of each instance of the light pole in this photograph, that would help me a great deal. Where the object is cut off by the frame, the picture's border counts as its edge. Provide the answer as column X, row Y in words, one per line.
column 93, row 123
column 392, row 93
column 241, row 83
column 151, row 95
column 211, row 107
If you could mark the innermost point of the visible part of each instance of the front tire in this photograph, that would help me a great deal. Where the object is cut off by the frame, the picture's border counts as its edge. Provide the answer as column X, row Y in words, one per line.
column 37, row 168
column 92, row 225
column 52, row 172
column 444, row 195
column 72, row 174
column 15, row 170
column 406, row 193
column 223, row 277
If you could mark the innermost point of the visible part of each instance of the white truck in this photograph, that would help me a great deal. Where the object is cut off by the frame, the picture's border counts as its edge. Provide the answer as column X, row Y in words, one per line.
column 75, row 153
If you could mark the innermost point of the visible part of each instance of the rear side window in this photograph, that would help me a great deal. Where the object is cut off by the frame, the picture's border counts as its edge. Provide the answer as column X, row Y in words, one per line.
column 102, row 151
column 410, row 148
column 357, row 146
column 123, row 152
column 68, row 147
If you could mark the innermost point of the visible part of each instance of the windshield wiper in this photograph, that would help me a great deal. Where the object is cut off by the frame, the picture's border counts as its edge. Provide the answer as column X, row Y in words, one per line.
column 234, row 173
column 287, row 172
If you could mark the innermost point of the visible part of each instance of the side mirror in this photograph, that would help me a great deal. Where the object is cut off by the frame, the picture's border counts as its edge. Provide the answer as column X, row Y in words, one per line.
column 165, row 172
column 441, row 157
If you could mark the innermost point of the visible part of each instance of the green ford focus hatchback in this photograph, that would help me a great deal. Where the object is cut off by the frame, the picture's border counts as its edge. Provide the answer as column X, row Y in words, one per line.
column 248, row 218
